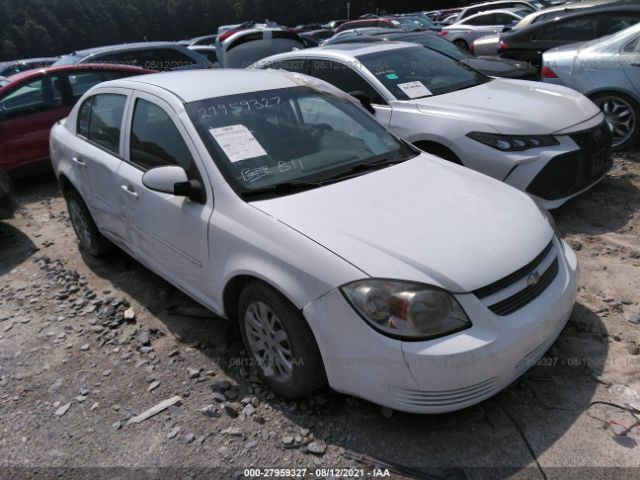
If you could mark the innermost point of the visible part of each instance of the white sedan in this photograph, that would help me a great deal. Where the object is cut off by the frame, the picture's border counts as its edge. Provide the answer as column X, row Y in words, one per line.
column 547, row 140
column 345, row 254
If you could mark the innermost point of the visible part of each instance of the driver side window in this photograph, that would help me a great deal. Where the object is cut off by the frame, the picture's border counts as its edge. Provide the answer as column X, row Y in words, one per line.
column 156, row 141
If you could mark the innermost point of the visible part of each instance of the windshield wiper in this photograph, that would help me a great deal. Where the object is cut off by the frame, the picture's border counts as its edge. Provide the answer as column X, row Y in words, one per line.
column 280, row 189
column 359, row 168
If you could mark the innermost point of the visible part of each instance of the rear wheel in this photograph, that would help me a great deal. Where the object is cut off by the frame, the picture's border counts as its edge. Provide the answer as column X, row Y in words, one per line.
column 86, row 230
column 461, row 44
column 279, row 339
column 621, row 113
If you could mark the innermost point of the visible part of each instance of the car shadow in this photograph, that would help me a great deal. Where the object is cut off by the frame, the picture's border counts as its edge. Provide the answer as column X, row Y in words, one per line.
column 15, row 247
column 497, row 438
column 615, row 198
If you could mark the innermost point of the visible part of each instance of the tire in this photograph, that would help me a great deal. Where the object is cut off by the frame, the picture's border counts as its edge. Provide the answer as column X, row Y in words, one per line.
column 461, row 44
column 89, row 237
column 268, row 319
column 620, row 109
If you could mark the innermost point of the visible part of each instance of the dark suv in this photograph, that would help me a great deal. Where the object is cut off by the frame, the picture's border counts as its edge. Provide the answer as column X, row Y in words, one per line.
column 530, row 43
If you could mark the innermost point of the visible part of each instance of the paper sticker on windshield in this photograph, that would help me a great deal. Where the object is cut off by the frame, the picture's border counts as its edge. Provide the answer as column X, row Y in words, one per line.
column 237, row 142
column 414, row 89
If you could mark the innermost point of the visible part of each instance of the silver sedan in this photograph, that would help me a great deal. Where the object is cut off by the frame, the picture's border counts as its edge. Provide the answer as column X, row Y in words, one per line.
column 607, row 70
column 465, row 32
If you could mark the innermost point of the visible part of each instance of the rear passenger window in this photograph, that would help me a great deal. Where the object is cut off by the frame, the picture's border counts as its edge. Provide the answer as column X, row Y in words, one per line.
column 155, row 140
column 82, row 128
column 105, row 121
column 578, row 30
column 618, row 22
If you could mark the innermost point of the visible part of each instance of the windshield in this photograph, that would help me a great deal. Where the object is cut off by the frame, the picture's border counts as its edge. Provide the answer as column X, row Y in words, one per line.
column 406, row 23
column 418, row 72
column 420, row 22
column 263, row 139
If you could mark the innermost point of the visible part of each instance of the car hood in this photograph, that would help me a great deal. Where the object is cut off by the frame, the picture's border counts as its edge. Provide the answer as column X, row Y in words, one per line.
column 513, row 106
column 501, row 67
column 424, row 220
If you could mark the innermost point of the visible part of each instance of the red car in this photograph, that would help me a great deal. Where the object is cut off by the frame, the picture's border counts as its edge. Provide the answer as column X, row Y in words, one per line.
column 32, row 101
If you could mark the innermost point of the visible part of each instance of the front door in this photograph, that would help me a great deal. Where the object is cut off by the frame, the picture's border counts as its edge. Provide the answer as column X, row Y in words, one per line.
column 167, row 232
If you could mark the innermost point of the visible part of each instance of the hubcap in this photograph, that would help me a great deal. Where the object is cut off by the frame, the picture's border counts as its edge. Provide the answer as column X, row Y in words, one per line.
column 269, row 342
column 620, row 117
column 79, row 223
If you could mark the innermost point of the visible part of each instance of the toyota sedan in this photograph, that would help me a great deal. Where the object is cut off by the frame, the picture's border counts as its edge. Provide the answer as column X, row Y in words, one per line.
column 547, row 140
column 346, row 255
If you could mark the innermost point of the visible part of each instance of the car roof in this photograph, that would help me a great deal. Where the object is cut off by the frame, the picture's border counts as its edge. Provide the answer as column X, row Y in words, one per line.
column 36, row 72
column 353, row 49
column 488, row 12
column 194, row 85
column 22, row 61
column 123, row 46
column 580, row 12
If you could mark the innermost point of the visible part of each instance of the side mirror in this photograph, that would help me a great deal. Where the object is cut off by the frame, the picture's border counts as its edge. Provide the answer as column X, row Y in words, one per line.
column 507, row 28
column 364, row 99
column 174, row 181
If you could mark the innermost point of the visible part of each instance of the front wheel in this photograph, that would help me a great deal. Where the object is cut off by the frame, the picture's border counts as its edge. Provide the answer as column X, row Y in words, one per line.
column 280, row 341
column 621, row 114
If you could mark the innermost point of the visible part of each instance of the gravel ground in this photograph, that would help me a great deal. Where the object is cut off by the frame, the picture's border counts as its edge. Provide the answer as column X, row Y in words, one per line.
column 87, row 344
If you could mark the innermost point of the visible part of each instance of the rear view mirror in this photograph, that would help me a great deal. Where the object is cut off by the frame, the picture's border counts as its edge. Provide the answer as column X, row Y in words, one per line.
column 174, row 181
column 364, row 99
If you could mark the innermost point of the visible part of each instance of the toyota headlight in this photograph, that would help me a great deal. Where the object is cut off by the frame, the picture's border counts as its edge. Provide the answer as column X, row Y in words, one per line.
column 406, row 310
column 513, row 143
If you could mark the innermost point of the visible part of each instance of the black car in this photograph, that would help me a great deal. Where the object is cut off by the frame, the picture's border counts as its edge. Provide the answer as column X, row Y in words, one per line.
column 490, row 66
column 528, row 44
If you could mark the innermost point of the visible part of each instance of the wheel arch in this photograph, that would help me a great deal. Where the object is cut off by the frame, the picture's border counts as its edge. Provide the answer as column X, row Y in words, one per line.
column 438, row 149
column 234, row 287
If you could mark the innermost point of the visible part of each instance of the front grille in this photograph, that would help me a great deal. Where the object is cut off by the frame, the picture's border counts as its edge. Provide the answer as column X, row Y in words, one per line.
column 572, row 172
column 526, row 291
column 527, row 295
column 515, row 276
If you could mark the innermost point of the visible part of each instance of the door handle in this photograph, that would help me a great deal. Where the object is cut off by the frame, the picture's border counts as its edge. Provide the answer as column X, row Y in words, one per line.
column 79, row 161
column 130, row 190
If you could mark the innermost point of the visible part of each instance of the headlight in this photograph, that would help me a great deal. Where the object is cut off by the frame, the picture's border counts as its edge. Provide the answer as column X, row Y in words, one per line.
column 405, row 310
column 513, row 143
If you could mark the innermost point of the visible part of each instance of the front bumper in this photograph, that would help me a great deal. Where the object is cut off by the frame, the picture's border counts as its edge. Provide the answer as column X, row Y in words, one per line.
column 552, row 175
column 448, row 373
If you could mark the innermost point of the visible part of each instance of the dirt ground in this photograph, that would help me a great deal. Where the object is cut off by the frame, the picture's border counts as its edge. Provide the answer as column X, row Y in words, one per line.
column 86, row 344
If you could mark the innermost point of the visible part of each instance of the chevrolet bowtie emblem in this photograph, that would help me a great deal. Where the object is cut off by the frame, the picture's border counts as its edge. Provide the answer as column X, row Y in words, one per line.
column 533, row 279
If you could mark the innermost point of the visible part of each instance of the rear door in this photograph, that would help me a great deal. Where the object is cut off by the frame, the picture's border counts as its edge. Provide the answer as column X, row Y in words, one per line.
column 100, row 123
column 27, row 113
column 167, row 232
